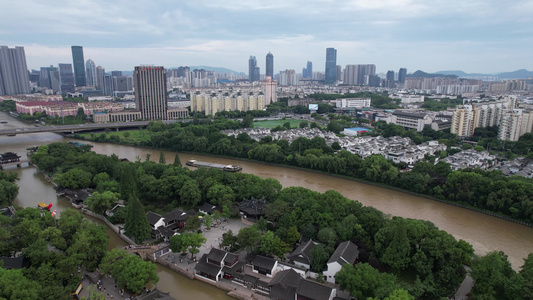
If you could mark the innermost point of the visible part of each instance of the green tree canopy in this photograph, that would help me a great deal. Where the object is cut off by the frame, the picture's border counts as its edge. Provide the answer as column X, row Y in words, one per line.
column 130, row 271
column 363, row 281
column 136, row 225
column 74, row 179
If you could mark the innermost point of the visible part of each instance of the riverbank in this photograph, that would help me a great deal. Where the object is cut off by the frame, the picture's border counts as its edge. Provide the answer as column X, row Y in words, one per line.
column 486, row 212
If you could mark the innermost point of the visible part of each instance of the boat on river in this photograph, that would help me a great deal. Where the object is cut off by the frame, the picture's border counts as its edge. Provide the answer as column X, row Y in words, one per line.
column 203, row 164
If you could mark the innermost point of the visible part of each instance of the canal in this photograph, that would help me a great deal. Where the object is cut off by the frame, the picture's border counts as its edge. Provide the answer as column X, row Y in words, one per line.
column 485, row 233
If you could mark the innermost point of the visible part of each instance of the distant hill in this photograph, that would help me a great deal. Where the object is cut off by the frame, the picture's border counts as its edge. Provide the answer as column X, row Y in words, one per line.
column 518, row 74
column 428, row 75
column 217, row 70
column 522, row 74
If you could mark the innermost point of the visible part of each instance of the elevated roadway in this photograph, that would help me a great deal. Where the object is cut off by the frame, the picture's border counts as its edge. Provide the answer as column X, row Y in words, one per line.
column 79, row 127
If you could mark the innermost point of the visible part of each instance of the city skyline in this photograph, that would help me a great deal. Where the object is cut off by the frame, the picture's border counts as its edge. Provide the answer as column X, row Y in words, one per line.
column 483, row 36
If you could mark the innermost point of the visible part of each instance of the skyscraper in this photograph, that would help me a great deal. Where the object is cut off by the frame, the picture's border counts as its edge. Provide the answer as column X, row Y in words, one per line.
column 13, row 71
column 49, row 78
column 401, row 75
column 252, row 65
column 309, row 70
column 151, row 92
column 108, row 85
column 90, row 69
column 269, row 65
column 331, row 66
column 78, row 63
column 66, row 77
column 390, row 75
column 100, row 73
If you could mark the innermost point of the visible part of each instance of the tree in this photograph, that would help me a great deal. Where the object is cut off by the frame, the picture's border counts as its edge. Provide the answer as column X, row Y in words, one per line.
column 89, row 244
column 327, row 236
column 208, row 220
column 74, row 179
column 526, row 276
column 293, row 235
column 130, row 271
column 494, row 278
column 229, row 240
column 247, row 121
column 248, row 238
column 136, row 225
column 190, row 193
column 8, row 192
column 319, row 257
column 177, row 161
column 100, row 202
column 273, row 245
column 69, row 223
column 14, row 285
column 363, row 281
column 304, row 124
column 184, row 241
column 128, row 182
column 192, row 224
column 162, row 159
column 220, row 193
column 335, row 127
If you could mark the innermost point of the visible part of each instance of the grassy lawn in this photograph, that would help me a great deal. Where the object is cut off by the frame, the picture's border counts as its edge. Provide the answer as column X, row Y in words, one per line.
column 134, row 135
column 274, row 123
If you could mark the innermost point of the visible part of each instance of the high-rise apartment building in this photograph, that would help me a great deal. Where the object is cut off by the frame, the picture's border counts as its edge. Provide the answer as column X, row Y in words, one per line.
column 211, row 102
column 463, row 121
column 268, row 86
column 401, row 75
column 66, row 77
column 13, row 71
column 350, row 75
column 331, row 66
column 253, row 69
column 78, row 63
column 363, row 74
column 90, row 69
column 151, row 92
column 509, row 129
column 288, row 77
column 270, row 65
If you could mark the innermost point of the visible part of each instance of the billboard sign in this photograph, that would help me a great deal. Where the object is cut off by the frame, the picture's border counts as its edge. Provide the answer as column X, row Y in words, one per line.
column 313, row 107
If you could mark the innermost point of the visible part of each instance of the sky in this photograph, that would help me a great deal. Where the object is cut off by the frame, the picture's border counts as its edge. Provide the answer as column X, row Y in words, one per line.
column 485, row 36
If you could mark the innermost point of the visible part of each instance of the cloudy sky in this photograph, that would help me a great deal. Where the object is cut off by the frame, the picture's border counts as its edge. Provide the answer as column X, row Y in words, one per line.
column 431, row 35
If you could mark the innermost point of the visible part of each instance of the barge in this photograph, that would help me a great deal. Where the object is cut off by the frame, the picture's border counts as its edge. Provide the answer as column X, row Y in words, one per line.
column 200, row 164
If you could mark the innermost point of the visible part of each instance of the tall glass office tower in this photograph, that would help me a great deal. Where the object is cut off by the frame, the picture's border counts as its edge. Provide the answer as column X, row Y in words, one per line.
column 331, row 66
column 79, row 65
column 270, row 65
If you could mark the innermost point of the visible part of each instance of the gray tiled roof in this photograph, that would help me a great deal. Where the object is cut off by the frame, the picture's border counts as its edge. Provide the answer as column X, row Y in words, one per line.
column 346, row 253
column 313, row 290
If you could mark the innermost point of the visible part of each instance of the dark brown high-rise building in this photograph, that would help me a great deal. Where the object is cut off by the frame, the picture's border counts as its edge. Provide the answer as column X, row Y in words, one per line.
column 150, row 84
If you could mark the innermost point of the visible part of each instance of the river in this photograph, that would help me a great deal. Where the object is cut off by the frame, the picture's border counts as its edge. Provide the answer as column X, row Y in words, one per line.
column 485, row 233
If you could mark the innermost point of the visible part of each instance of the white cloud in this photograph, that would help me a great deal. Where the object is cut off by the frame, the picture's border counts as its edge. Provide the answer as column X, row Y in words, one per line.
column 390, row 33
